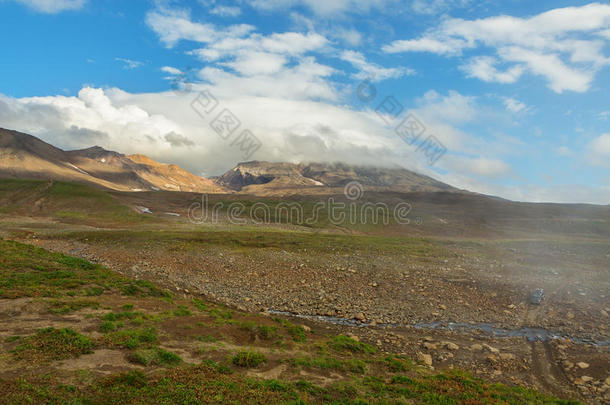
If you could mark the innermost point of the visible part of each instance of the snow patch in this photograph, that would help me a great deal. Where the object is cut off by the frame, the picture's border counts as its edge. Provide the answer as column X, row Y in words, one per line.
column 78, row 169
column 144, row 210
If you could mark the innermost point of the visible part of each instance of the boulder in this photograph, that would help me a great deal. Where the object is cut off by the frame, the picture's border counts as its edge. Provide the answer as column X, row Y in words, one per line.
column 425, row 358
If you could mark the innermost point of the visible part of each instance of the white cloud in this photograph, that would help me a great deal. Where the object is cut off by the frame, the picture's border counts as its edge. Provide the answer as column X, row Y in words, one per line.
column 287, row 43
column 367, row 70
column 275, row 65
column 454, row 108
column 129, row 63
column 171, row 70
column 483, row 67
column 563, row 45
column 226, row 11
column 426, row 44
column 599, row 151
column 478, row 167
column 514, row 106
column 564, row 151
column 568, row 193
column 604, row 115
column 350, row 36
column 252, row 63
column 560, row 76
column 53, row 6
column 304, row 81
column 325, row 8
column 173, row 26
column 436, row 6
column 338, row 8
column 164, row 126
column 64, row 120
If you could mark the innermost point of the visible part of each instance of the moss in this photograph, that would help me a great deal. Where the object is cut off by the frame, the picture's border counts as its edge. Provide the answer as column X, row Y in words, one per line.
column 248, row 359
column 54, row 344
column 345, row 343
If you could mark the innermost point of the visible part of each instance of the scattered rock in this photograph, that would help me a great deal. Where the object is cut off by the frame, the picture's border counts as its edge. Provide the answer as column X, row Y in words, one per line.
column 582, row 365
column 476, row 347
column 491, row 349
column 429, row 346
column 507, row 356
column 424, row 358
column 451, row 346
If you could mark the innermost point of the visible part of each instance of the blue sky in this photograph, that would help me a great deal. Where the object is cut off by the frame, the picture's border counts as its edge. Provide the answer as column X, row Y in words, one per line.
column 516, row 91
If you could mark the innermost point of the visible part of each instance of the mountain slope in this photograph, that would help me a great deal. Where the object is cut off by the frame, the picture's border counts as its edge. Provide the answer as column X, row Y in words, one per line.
column 265, row 178
column 25, row 156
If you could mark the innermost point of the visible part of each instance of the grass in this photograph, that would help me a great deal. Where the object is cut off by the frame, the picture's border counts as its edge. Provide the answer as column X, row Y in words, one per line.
column 210, row 383
column 54, row 344
column 132, row 338
column 248, row 359
column 206, row 339
column 330, row 363
column 65, row 307
column 155, row 356
column 267, row 332
column 345, row 343
column 296, row 332
column 28, row 271
column 182, row 310
column 246, row 240
column 361, row 374
column 66, row 201
column 397, row 364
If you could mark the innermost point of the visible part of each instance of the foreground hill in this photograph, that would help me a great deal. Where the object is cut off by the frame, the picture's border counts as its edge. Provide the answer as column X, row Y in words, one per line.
column 76, row 332
column 25, row 156
column 266, row 178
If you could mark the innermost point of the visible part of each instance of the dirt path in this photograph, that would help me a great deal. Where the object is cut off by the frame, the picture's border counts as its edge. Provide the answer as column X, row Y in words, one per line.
column 547, row 372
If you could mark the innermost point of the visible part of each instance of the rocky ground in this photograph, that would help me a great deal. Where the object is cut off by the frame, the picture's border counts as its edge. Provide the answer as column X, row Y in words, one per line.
column 74, row 332
column 386, row 293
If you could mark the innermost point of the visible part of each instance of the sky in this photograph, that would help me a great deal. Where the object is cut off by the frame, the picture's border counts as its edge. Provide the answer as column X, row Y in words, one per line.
column 505, row 98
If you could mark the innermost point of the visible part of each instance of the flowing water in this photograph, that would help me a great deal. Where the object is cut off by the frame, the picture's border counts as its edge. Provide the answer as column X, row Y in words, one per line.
column 531, row 334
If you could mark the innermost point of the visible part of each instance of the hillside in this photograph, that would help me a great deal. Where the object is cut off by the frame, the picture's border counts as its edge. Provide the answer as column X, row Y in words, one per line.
column 109, row 339
column 266, row 178
column 24, row 156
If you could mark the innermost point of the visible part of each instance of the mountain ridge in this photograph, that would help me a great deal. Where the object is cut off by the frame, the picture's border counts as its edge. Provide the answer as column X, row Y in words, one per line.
column 25, row 156
column 269, row 178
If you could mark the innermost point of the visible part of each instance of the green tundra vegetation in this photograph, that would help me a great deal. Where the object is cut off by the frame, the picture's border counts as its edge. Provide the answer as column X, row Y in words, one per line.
column 184, row 350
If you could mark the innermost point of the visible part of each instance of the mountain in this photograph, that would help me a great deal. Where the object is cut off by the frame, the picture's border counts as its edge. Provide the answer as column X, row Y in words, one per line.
column 25, row 156
column 265, row 178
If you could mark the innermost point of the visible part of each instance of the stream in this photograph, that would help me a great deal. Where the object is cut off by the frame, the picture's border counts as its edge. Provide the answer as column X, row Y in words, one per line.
column 530, row 333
